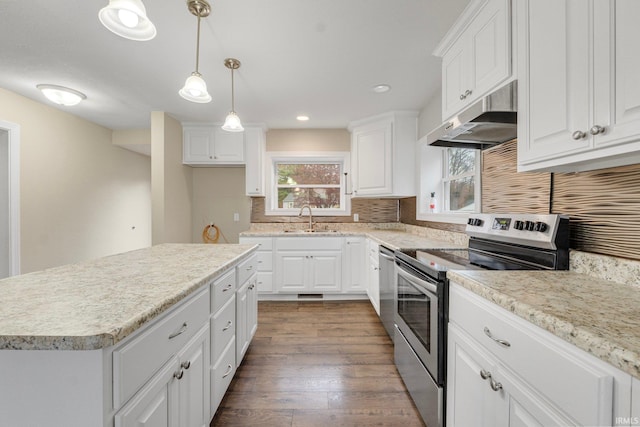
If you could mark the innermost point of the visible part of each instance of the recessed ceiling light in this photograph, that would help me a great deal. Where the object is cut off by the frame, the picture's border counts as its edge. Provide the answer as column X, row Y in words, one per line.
column 62, row 95
column 381, row 88
column 302, row 118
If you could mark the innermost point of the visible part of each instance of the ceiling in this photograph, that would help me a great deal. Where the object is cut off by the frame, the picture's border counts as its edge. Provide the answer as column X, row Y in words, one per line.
column 315, row 57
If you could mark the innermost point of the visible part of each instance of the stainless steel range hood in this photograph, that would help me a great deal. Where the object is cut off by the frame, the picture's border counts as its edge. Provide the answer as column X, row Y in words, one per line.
column 489, row 121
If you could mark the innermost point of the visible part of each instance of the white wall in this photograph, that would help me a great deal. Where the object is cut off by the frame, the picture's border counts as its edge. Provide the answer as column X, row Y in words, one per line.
column 80, row 196
column 5, row 247
column 308, row 140
column 172, row 182
column 431, row 115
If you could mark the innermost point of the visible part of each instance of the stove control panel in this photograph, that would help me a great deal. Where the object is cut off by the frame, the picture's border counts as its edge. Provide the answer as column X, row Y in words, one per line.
column 526, row 229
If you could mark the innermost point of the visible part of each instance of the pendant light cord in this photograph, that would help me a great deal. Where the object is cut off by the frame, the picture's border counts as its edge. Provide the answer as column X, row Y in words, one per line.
column 198, row 44
column 233, row 106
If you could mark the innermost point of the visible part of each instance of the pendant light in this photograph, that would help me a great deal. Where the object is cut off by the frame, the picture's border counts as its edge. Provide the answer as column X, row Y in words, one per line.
column 232, row 122
column 128, row 19
column 195, row 88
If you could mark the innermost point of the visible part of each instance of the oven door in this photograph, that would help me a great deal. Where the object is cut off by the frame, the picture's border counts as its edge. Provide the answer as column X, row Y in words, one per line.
column 418, row 316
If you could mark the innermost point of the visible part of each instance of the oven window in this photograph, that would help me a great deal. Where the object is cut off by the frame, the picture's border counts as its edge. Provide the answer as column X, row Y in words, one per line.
column 414, row 307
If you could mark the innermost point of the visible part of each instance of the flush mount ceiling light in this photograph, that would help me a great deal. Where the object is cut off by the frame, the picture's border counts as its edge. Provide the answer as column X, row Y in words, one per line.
column 302, row 118
column 381, row 88
column 128, row 19
column 195, row 88
column 232, row 122
column 62, row 95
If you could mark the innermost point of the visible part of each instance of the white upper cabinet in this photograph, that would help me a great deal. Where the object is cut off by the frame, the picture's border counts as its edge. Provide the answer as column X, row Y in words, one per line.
column 579, row 84
column 383, row 155
column 255, row 148
column 476, row 54
column 209, row 145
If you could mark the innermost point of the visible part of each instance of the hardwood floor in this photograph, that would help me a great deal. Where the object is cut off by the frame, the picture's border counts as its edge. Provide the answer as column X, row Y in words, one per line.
column 317, row 363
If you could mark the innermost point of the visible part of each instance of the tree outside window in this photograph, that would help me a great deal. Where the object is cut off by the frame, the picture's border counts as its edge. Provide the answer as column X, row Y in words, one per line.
column 315, row 184
column 459, row 179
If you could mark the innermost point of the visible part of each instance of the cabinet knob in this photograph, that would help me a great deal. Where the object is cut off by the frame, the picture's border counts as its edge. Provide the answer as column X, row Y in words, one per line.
column 485, row 374
column 578, row 135
column 178, row 375
column 495, row 386
column 596, row 130
column 210, row 157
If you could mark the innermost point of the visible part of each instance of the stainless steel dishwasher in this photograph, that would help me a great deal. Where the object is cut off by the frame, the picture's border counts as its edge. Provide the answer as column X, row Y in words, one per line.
column 387, row 276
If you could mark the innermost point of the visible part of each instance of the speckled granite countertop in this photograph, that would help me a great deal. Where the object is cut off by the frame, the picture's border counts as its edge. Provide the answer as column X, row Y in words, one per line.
column 393, row 239
column 96, row 304
column 598, row 316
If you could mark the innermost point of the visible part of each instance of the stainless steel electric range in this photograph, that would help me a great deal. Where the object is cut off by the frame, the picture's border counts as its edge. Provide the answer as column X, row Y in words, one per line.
column 496, row 242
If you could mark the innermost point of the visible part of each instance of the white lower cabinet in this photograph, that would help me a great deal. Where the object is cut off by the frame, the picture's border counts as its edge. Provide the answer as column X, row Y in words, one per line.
column 355, row 274
column 178, row 395
column 308, row 265
column 246, row 316
column 265, row 261
column 504, row 371
column 373, row 274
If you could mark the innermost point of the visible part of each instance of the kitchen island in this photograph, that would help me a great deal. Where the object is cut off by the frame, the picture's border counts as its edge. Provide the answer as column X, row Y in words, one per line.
column 78, row 343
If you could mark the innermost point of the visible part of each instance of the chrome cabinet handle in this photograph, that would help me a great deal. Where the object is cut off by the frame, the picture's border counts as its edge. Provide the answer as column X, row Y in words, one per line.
column 495, row 386
column 462, row 97
column 577, row 135
column 467, row 93
column 229, row 286
column 229, row 323
column 183, row 328
column 596, row 130
column 229, row 370
column 503, row 343
column 485, row 374
column 179, row 374
column 186, row 365
column 448, row 126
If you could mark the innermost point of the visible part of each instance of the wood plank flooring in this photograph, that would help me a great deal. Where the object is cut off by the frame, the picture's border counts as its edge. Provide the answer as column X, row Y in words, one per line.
column 315, row 363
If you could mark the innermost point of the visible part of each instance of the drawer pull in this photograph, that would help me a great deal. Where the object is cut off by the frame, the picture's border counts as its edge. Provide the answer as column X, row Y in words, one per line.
column 179, row 374
column 495, row 386
column 503, row 343
column 485, row 374
column 229, row 370
column 229, row 286
column 229, row 323
column 183, row 328
column 250, row 268
column 186, row 365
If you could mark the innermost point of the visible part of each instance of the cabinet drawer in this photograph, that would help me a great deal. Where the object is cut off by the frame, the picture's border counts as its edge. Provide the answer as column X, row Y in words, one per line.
column 308, row 243
column 265, row 282
column 136, row 362
column 265, row 261
column 265, row 243
column 247, row 268
column 223, row 328
column 566, row 375
column 222, row 290
column 222, row 374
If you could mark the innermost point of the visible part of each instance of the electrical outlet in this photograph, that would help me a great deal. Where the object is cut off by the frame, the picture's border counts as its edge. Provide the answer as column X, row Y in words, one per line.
column 236, row 217
column 356, row 217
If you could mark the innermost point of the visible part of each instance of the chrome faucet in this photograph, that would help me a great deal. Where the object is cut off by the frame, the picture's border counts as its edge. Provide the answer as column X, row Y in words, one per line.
column 310, row 215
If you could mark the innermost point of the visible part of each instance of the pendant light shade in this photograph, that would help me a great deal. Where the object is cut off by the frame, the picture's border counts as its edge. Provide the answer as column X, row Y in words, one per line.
column 232, row 122
column 128, row 19
column 195, row 88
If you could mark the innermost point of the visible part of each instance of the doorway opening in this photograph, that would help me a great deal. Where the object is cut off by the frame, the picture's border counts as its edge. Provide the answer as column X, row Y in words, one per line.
column 9, row 199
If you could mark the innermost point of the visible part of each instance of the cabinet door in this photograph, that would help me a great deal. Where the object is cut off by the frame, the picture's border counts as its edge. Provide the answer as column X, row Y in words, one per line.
column 290, row 271
column 156, row 405
column 252, row 309
column 325, row 271
column 470, row 399
column 197, row 145
column 228, row 146
column 554, row 87
column 455, row 78
column 371, row 151
column 241, row 322
column 194, row 385
column 616, row 70
column 373, row 277
column 354, row 265
column 254, row 153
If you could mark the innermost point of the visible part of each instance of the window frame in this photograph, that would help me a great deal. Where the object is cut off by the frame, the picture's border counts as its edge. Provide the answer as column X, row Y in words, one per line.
column 446, row 178
column 273, row 158
column 430, row 169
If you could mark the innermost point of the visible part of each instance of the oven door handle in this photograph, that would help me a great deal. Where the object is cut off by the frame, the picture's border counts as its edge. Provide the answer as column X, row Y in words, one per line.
column 385, row 256
column 423, row 283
